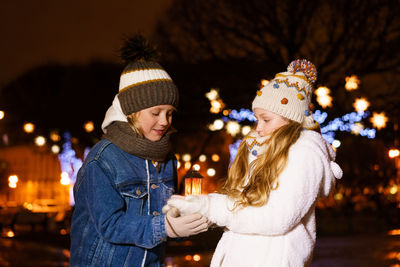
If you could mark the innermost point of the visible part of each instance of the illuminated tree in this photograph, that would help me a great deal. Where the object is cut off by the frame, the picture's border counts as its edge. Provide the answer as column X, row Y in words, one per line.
column 261, row 37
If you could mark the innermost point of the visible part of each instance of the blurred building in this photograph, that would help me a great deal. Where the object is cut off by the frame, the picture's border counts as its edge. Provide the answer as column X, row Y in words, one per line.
column 30, row 176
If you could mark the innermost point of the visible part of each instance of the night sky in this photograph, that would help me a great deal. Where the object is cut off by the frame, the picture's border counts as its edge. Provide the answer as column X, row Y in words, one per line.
column 34, row 33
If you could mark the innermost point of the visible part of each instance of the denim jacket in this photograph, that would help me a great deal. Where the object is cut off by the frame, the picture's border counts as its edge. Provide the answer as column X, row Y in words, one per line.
column 118, row 200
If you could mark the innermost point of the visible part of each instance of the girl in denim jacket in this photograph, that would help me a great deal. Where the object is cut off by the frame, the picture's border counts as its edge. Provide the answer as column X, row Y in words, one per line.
column 267, row 204
column 129, row 175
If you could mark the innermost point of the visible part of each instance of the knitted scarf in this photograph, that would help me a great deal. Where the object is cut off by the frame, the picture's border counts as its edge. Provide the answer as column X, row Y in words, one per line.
column 256, row 143
column 122, row 135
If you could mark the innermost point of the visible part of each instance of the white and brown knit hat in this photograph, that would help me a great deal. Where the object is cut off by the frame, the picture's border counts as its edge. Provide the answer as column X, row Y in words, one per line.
column 289, row 93
column 144, row 83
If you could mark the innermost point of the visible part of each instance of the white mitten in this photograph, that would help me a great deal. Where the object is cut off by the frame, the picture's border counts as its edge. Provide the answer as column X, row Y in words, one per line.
column 190, row 204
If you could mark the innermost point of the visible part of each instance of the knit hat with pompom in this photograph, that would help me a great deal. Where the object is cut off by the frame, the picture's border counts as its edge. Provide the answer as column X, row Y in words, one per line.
column 144, row 83
column 289, row 93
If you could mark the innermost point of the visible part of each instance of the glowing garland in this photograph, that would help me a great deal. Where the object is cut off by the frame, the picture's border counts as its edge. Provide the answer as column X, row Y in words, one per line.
column 69, row 162
column 346, row 123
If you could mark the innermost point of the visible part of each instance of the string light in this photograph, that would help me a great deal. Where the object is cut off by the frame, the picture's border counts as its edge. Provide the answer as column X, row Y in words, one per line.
column 65, row 180
column 54, row 136
column 212, row 95
column 69, row 163
column 393, row 153
column 361, row 104
column 202, row 158
column 55, row 149
column 246, row 129
column 352, row 83
column 187, row 165
column 40, row 141
column 241, row 115
column 211, row 172
column 323, row 97
column 29, row 127
column 12, row 181
column 379, row 120
column 233, row 128
column 215, row 157
column 216, row 106
column 217, row 125
column 186, row 157
column 89, row 126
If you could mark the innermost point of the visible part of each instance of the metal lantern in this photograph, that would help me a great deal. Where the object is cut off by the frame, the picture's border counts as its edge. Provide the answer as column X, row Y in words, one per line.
column 193, row 183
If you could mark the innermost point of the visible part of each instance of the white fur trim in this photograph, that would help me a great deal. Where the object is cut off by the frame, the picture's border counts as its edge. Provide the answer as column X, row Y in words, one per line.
column 114, row 113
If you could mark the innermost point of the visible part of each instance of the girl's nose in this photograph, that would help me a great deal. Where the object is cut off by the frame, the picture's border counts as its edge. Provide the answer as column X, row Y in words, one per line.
column 163, row 120
column 259, row 129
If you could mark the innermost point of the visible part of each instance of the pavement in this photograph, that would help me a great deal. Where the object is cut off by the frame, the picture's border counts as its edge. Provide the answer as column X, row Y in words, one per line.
column 39, row 248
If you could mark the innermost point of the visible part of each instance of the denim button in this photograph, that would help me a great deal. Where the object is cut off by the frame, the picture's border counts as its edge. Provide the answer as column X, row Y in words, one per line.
column 155, row 213
column 154, row 186
column 138, row 192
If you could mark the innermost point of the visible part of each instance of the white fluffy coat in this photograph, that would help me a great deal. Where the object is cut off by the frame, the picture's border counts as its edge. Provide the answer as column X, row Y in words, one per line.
column 283, row 231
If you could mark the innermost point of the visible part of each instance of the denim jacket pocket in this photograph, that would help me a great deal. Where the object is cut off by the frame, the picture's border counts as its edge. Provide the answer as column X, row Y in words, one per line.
column 135, row 196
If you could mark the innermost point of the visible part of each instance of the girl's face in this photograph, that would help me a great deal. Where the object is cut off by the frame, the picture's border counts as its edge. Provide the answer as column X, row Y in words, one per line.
column 155, row 121
column 267, row 121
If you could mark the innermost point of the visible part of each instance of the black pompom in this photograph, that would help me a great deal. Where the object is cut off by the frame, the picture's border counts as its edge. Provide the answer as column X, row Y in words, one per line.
column 136, row 47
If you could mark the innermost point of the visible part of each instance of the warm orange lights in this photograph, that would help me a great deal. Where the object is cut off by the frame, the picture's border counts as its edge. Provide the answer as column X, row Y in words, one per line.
column 89, row 126
column 193, row 183
column 393, row 153
column 323, row 97
column 188, row 257
column 40, row 141
column 216, row 106
column 10, row 234
column 12, row 181
column 352, row 83
column 394, row 232
column 215, row 157
column 196, row 257
column 379, row 120
column 211, row 172
column 196, row 167
column 54, row 136
column 29, row 127
column 65, row 180
column 233, row 128
column 361, row 104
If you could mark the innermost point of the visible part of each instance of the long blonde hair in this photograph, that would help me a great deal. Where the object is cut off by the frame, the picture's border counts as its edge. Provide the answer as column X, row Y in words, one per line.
column 263, row 172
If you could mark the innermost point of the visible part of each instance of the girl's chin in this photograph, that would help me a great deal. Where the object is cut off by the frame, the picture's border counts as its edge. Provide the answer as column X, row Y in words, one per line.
column 154, row 137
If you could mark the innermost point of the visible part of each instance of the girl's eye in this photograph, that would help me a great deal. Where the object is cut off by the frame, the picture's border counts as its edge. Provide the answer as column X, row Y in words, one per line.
column 155, row 114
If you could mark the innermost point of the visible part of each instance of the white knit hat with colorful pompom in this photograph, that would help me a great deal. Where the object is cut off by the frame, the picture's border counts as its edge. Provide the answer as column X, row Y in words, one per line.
column 289, row 93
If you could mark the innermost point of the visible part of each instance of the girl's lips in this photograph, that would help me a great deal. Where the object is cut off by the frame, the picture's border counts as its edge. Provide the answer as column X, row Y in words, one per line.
column 159, row 132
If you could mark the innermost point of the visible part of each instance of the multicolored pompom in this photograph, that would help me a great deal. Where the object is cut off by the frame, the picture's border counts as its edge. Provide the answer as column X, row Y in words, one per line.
column 305, row 66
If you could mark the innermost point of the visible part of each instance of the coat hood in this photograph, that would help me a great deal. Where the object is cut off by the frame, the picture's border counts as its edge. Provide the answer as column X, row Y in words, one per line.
column 331, row 169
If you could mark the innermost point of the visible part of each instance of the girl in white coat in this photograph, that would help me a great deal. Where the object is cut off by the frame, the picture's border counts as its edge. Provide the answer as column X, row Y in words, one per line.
column 267, row 204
